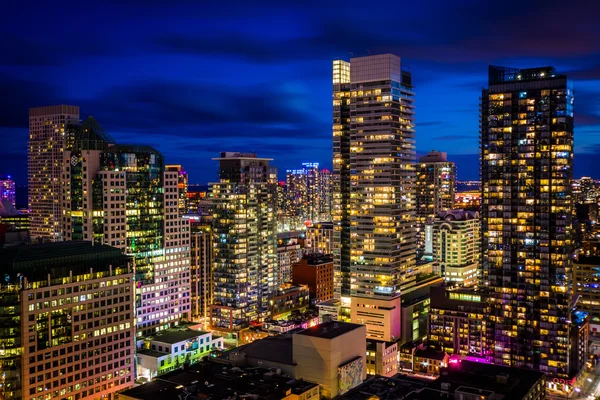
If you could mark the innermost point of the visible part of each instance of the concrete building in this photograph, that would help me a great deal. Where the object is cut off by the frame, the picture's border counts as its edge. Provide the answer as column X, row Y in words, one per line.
column 120, row 195
column 332, row 354
column 435, row 187
column 382, row 358
column 374, row 197
column 315, row 271
column 319, row 238
column 289, row 253
column 68, row 325
column 170, row 350
column 49, row 132
column 430, row 362
column 456, row 246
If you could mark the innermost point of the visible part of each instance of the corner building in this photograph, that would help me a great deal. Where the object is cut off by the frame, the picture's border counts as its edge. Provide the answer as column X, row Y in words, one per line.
column 68, row 325
column 526, row 173
column 373, row 174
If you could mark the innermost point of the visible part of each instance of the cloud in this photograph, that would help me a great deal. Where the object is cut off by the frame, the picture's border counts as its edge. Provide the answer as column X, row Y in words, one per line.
column 24, row 94
column 455, row 137
column 429, row 123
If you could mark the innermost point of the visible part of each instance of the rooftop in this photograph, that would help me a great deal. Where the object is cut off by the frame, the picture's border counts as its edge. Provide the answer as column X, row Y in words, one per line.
column 176, row 336
column 277, row 349
column 394, row 388
column 330, row 330
column 431, row 354
column 211, row 380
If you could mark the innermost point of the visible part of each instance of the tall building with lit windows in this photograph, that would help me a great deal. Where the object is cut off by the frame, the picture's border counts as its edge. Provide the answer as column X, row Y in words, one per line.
column 244, row 233
column 120, row 195
column 49, row 129
column 435, row 185
column 526, row 173
column 7, row 190
column 373, row 175
column 182, row 183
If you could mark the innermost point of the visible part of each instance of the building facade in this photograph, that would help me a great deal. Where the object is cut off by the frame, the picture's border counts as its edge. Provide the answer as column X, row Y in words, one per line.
column 373, row 158
column 121, row 196
column 201, row 281
column 456, row 245
column 244, row 241
column 315, row 271
column 526, row 171
column 435, row 187
column 182, row 185
column 68, row 324
column 49, row 131
column 319, row 238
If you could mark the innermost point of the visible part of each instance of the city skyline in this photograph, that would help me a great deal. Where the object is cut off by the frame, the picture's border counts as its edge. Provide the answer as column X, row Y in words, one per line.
column 171, row 87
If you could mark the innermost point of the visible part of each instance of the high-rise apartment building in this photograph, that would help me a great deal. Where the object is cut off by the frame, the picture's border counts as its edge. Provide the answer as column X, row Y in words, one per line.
column 319, row 238
column 244, row 240
column 435, row 185
column 49, row 131
column 7, row 190
column 456, row 246
column 68, row 322
column 526, row 173
column 201, row 243
column 306, row 197
column 373, row 177
column 182, row 184
column 121, row 196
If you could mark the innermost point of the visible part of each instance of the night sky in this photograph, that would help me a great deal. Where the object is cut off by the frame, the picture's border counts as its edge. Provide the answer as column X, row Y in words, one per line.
column 193, row 79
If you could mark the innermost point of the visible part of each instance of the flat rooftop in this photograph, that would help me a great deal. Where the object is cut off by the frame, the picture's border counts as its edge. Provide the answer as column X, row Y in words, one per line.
column 172, row 337
column 330, row 330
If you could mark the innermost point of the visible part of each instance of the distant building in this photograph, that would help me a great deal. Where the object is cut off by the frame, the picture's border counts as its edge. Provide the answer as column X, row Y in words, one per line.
column 7, row 189
column 78, row 301
column 315, row 271
column 456, row 246
column 586, row 284
column 289, row 252
column 182, row 185
column 244, row 241
column 13, row 218
column 319, row 238
column 49, row 136
column 435, row 186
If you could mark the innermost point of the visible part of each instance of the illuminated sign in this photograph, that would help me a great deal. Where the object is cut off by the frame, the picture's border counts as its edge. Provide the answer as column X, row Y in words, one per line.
column 465, row 297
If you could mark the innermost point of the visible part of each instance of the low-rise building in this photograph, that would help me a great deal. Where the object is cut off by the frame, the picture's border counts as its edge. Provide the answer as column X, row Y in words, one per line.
column 382, row 358
column 429, row 361
column 211, row 380
column 329, row 310
column 289, row 297
column 173, row 349
column 315, row 271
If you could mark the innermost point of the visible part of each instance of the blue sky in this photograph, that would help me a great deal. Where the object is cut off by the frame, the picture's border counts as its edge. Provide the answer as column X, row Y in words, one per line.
column 193, row 78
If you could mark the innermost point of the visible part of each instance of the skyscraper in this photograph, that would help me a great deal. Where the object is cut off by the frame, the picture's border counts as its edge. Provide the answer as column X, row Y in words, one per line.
column 7, row 190
column 182, row 183
column 435, row 185
column 526, row 173
column 120, row 195
column 244, row 240
column 373, row 160
column 48, row 137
